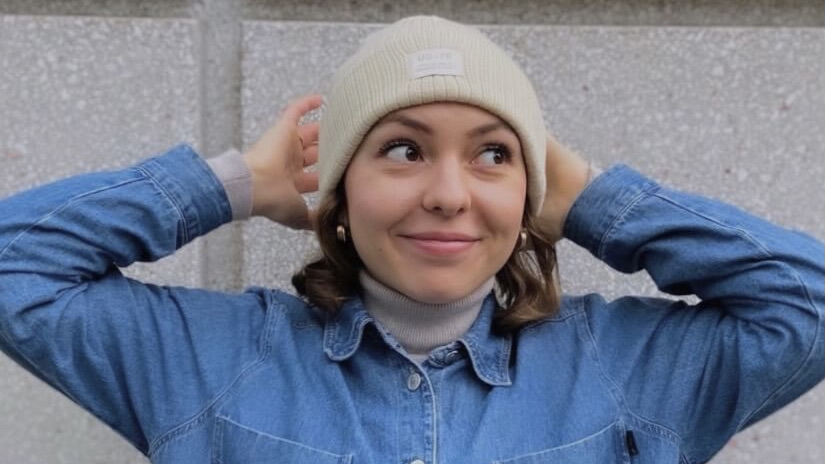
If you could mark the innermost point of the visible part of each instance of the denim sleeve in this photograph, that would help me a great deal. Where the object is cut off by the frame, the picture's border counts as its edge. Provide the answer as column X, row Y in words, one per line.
column 142, row 358
column 754, row 342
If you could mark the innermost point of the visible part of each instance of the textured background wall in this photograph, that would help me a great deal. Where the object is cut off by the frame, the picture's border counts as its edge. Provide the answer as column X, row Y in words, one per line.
column 731, row 104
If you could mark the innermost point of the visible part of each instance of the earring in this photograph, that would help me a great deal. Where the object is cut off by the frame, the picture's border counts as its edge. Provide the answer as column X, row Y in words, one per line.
column 521, row 245
column 341, row 232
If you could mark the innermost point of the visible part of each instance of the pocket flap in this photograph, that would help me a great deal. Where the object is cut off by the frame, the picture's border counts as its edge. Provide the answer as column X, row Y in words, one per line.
column 238, row 444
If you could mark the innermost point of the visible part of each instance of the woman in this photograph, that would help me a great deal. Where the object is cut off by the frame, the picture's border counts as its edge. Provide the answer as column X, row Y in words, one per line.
column 431, row 329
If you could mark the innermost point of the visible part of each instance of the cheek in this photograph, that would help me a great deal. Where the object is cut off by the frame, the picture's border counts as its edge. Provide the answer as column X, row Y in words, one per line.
column 371, row 212
column 505, row 207
column 363, row 227
column 376, row 200
column 361, row 212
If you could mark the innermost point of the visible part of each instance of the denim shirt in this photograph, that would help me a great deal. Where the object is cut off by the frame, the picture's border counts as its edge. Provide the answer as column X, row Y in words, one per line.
column 198, row 376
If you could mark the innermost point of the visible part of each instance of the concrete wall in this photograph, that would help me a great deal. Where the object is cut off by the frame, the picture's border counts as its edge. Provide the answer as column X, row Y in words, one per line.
column 729, row 103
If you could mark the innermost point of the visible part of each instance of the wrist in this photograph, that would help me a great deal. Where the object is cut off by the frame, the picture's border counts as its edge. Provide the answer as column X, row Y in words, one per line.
column 232, row 171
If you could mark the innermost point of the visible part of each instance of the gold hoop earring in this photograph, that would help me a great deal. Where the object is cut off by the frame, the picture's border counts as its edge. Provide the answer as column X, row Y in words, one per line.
column 341, row 233
column 521, row 245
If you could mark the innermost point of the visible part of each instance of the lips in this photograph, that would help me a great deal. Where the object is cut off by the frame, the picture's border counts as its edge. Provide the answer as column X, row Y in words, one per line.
column 441, row 243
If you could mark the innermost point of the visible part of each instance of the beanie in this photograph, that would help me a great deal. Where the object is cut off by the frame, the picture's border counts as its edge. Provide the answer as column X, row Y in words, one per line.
column 426, row 59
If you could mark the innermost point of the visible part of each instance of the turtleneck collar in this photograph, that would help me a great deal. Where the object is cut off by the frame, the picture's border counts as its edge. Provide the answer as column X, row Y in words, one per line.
column 421, row 327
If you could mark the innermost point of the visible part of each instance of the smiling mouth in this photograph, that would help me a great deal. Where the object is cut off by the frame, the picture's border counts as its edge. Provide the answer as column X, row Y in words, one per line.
column 441, row 244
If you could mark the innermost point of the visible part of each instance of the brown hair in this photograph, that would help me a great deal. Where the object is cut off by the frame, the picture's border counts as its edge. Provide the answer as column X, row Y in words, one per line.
column 527, row 285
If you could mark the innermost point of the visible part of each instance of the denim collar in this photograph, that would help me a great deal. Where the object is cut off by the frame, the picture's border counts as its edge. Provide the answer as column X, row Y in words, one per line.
column 489, row 352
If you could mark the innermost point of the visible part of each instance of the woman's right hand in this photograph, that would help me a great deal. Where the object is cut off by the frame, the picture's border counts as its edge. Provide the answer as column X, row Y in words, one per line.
column 277, row 162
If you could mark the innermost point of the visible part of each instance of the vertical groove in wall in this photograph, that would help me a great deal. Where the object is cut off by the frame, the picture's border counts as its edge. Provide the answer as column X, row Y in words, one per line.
column 219, row 24
column 201, row 52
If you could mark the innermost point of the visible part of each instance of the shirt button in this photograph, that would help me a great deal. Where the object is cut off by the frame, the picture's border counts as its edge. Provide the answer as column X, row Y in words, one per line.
column 413, row 382
column 417, row 461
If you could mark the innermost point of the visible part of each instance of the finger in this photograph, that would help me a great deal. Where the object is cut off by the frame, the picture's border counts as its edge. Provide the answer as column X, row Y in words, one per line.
column 307, row 182
column 309, row 133
column 298, row 108
column 311, row 155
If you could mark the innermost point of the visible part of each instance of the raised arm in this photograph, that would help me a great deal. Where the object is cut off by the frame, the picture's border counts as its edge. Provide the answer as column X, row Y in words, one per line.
column 753, row 343
column 69, row 316
column 142, row 358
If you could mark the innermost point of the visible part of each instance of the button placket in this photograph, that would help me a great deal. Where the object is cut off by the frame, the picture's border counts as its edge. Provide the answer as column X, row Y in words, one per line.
column 419, row 419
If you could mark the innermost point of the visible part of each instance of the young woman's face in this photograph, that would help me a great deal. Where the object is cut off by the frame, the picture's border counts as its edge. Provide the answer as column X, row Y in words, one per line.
column 435, row 198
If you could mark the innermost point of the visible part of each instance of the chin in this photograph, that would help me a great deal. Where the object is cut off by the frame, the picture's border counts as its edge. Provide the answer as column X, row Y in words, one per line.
column 439, row 294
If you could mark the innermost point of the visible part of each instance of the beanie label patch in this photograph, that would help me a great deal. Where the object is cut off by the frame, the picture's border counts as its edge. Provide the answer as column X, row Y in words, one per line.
column 435, row 62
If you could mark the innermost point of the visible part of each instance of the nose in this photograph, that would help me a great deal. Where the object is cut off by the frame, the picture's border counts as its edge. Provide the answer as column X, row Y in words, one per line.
column 447, row 191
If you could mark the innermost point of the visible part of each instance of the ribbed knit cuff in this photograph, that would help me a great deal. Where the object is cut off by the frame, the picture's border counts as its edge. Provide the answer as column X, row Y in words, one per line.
column 232, row 171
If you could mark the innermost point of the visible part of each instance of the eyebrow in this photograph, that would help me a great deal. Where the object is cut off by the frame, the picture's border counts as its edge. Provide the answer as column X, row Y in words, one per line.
column 487, row 128
column 409, row 122
column 421, row 127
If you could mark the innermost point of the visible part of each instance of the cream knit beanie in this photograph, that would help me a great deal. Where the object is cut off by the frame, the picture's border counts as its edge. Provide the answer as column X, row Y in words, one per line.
column 425, row 59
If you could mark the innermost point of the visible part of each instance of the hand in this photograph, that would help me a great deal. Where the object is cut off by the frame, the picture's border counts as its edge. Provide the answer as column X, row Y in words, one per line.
column 277, row 162
column 567, row 175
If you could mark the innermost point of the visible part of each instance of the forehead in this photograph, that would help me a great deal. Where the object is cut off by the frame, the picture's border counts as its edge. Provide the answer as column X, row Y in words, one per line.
column 445, row 118
column 443, row 110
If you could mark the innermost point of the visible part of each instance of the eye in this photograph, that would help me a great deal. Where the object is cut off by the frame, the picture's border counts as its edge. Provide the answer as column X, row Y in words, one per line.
column 401, row 151
column 493, row 155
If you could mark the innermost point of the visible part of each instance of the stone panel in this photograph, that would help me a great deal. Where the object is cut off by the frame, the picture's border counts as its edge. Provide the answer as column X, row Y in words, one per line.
column 569, row 12
column 81, row 94
column 85, row 94
column 732, row 113
column 772, row 13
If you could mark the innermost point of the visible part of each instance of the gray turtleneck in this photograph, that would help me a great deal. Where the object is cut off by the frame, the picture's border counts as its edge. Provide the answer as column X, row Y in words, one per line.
column 421, row 327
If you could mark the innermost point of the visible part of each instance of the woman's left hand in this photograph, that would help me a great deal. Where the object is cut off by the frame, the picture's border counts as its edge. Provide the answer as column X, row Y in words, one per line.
column 567, row 175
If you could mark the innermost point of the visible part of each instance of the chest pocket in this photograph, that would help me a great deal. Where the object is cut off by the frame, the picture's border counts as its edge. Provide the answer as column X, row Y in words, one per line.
column 236, row 444
column 603, row 447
